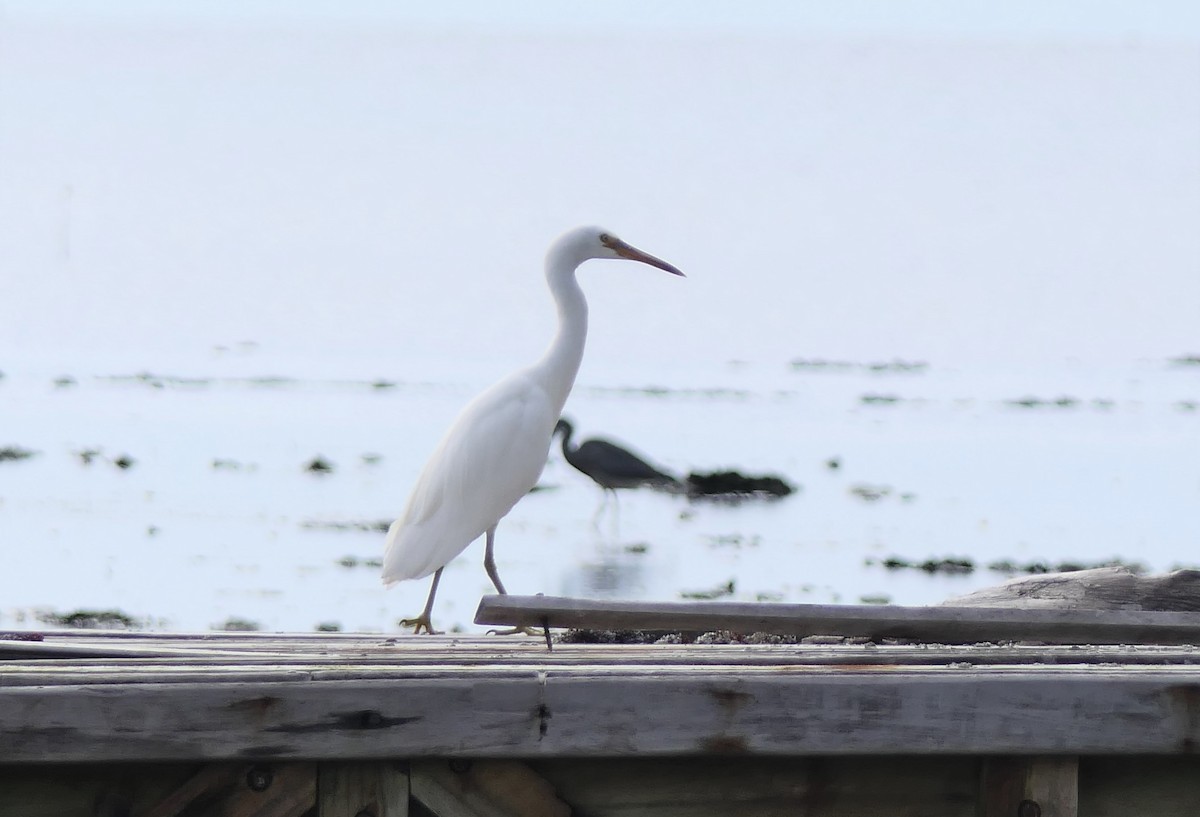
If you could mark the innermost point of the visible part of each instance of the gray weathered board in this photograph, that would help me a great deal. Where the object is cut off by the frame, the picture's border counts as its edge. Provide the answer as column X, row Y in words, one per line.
column 943, row 624
column 168, row 698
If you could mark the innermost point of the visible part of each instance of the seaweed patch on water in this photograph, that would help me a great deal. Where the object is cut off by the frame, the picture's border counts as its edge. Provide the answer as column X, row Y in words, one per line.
column 1184, row 360
column 869, row 493
column 665, row 392
column 236, row 624
column 733, row 540
column 961, row 565
column 1030, row 402
column 354, row 561
column 230, row 464
column 92, row 620
column 879, row 399
column 718, row 592
column 948, row 565
column 733, row 486
column 895, row 366
column 360, row 525
column 87, row 456
column 15, row 453
column 157, row 381
column 319, row 465
column 1011, row 567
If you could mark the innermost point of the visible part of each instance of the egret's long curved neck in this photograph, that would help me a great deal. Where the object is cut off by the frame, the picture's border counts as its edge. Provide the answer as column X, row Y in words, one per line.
column 560, row 364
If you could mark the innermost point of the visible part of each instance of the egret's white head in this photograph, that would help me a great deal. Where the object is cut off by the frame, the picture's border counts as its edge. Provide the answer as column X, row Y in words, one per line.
column 582, row 243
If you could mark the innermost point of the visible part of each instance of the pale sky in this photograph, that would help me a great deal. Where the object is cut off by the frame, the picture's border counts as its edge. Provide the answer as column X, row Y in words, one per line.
column 1173, row 19
column 838, row 180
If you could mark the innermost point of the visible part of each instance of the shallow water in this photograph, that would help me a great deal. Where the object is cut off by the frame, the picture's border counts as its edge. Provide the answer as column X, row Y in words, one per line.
column 218, row 518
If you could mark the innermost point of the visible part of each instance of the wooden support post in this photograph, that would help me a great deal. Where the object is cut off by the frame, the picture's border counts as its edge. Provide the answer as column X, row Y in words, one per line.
column 364, row 789
column 241, row 790
column 1029, row 787
column 484, row 788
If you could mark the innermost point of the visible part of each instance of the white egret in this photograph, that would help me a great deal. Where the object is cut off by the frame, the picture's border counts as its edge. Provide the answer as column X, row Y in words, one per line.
column 494, row 452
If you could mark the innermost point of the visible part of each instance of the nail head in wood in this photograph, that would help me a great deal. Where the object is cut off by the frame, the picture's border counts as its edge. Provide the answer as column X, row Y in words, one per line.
column 259, row 778
column 1028, row 808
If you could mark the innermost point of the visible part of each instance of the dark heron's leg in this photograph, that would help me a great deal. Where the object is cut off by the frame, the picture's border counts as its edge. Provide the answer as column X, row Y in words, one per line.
column 600, row 508
column 422, row 621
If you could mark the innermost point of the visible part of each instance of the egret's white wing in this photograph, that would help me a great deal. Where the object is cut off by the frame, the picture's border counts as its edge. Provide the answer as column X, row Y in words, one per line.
column 490, row 458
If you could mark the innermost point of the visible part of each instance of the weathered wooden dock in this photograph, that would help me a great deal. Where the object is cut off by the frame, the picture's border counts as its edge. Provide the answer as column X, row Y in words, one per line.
column 339, row 725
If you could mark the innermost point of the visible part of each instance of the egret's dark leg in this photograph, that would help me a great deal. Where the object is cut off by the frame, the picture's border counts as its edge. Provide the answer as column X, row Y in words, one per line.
column 489, row 564
column 422, row 621
column 489, row 561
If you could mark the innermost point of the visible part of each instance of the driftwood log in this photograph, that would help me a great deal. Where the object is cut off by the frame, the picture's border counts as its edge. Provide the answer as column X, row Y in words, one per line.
column 1103, row 588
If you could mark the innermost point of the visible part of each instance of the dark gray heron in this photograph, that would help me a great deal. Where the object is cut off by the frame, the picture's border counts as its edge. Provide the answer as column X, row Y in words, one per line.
column 609, row 465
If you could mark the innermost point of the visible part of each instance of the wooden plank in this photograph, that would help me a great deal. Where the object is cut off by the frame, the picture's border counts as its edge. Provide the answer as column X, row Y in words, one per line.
column 1102, row 588
column 937, row 624
column 746, row 786
column 798, row 711
column 1030, row 787
column 375, row 788
column 241, row 790
column 1124, row 786
column 767, row 787
column 339, row 660
column 484, row 788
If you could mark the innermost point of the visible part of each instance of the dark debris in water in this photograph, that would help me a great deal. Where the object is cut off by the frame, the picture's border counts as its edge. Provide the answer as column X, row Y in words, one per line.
column 15, row 453
column 896, row 366
column 718, row 592
column 950, row 565
column 1185, row 360
column 91, row 620
column 354, row 561
column 87, row 455
column 870, row 493
column 735, row 486
column 364, row 526
column 1061, row 402
column 1033, row 568
column 961, row 565
column 319, row 465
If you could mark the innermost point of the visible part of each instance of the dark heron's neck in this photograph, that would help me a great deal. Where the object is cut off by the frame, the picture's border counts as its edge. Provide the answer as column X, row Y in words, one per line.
column 566, row 430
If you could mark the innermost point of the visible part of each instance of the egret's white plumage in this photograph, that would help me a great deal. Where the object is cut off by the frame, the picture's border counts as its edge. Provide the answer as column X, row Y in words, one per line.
column 494, row 452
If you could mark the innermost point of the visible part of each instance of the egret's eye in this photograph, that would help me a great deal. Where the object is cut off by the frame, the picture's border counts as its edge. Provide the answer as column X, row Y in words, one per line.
column 605, row 238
